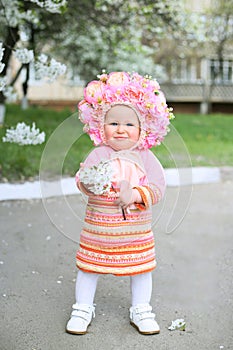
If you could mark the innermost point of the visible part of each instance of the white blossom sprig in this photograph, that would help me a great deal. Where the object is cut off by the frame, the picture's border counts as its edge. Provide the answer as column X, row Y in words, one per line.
column 177, row 324
column 97, row 178
column 10, row 93
column 24, row 55
column 50, row 69
column 2, row 65
column 3, row 82
column 1, row 51
column 24, row 135
column 50, row 5
column 13, row 14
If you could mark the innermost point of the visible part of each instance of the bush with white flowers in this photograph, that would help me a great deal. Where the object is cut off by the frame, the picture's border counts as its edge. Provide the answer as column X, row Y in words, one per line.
column 23, row 134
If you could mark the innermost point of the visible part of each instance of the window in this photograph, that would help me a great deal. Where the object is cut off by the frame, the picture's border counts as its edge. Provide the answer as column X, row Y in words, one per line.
column 221, row 71
column 186, row 70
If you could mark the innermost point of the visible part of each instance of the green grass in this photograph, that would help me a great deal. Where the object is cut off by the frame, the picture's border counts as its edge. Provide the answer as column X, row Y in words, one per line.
column 194, row 140
column 208, row 139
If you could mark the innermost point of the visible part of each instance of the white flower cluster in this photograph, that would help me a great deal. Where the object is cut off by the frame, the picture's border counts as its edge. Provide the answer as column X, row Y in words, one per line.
column 2, row 65
column 9, row 92
column 50, row 69
column 53, row 6
column 3, row 82
column 24, row 55
column 24, row 135
column 13, row 15
column 97, row 178
column 177, row 324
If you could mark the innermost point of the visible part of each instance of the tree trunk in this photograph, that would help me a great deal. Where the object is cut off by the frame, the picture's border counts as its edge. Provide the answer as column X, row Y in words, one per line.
column 12, row 37
column 2, row 113
column 24, row 102
column 2, row 108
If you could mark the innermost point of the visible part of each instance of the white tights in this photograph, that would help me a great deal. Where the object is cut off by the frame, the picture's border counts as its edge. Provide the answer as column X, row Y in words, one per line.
column 86, row 283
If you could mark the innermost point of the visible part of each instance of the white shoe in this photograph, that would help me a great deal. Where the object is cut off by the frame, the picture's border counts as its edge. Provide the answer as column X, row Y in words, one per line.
column 143, row 319
column 81, row 317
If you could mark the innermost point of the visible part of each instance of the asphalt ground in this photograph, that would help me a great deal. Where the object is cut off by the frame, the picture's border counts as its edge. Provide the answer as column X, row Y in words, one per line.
column 193, row 279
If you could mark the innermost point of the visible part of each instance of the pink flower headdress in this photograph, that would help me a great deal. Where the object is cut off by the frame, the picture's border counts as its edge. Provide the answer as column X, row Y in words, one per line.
column 140, row 93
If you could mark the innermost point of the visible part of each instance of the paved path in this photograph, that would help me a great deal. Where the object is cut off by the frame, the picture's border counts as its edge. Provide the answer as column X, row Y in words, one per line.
column 193, row 279
column 66, row 186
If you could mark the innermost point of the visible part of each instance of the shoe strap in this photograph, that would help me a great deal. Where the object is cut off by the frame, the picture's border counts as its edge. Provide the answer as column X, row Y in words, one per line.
column 142, row 312
column 146, row 315
column 83, row 311
column 142, row 308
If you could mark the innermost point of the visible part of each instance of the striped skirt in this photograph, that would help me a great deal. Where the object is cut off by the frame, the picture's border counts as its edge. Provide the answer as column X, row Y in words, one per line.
column 111, row 244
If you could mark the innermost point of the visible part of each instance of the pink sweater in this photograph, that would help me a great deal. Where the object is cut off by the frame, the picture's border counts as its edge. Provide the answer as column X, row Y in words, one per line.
column 149, row 168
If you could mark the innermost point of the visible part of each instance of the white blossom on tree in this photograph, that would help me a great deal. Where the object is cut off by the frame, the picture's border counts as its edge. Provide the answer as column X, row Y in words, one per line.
column 2, row 65
column 48, row 69
column 10, row 93
column 2, row 83
column 13, row 14
column 51, row 6
column 24, row 55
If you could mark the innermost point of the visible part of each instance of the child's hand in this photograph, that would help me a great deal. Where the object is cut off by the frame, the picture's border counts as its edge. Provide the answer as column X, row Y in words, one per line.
column 127, row 195
column 88, row 187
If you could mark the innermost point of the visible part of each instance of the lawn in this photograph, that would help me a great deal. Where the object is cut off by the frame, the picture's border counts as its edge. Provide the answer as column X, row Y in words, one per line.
column 194, row 140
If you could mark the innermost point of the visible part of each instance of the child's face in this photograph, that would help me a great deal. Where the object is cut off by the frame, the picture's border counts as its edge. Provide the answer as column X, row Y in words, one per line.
column 121, row 127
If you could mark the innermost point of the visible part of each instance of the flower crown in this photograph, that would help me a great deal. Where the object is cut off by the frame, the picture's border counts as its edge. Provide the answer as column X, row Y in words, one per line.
column 140, row 93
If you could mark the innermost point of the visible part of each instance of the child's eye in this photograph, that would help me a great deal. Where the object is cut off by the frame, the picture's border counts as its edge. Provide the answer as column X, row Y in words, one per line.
column 114, row 124
column 129, row 124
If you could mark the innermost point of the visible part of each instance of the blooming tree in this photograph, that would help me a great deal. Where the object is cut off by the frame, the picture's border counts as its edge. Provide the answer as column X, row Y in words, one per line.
column 20, row 19
column 117, row 35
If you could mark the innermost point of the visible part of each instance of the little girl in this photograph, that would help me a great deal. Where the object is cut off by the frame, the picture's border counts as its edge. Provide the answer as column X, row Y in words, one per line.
column 124, row 115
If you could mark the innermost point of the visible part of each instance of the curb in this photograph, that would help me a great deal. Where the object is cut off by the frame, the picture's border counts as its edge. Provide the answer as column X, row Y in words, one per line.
column 66, row 186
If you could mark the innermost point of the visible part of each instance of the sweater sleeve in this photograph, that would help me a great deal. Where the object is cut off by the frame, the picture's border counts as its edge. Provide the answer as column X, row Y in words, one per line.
column 152, row 189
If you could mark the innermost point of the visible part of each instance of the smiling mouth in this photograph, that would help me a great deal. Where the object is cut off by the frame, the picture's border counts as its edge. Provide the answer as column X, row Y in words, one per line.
column 120, row 138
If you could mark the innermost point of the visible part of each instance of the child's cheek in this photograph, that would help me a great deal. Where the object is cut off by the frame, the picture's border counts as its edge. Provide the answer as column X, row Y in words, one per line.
column 108, row 133
column 135, row 135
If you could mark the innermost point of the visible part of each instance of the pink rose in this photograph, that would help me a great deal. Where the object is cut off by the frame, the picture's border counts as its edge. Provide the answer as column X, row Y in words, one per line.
column 161, row 105
column 109, row 94
column 134, row 93
column 118, row 78
column 93, row 93
column 155, row 85
column 151, row 140
column 86, row 111
column 137, row 77
column 95, row 136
